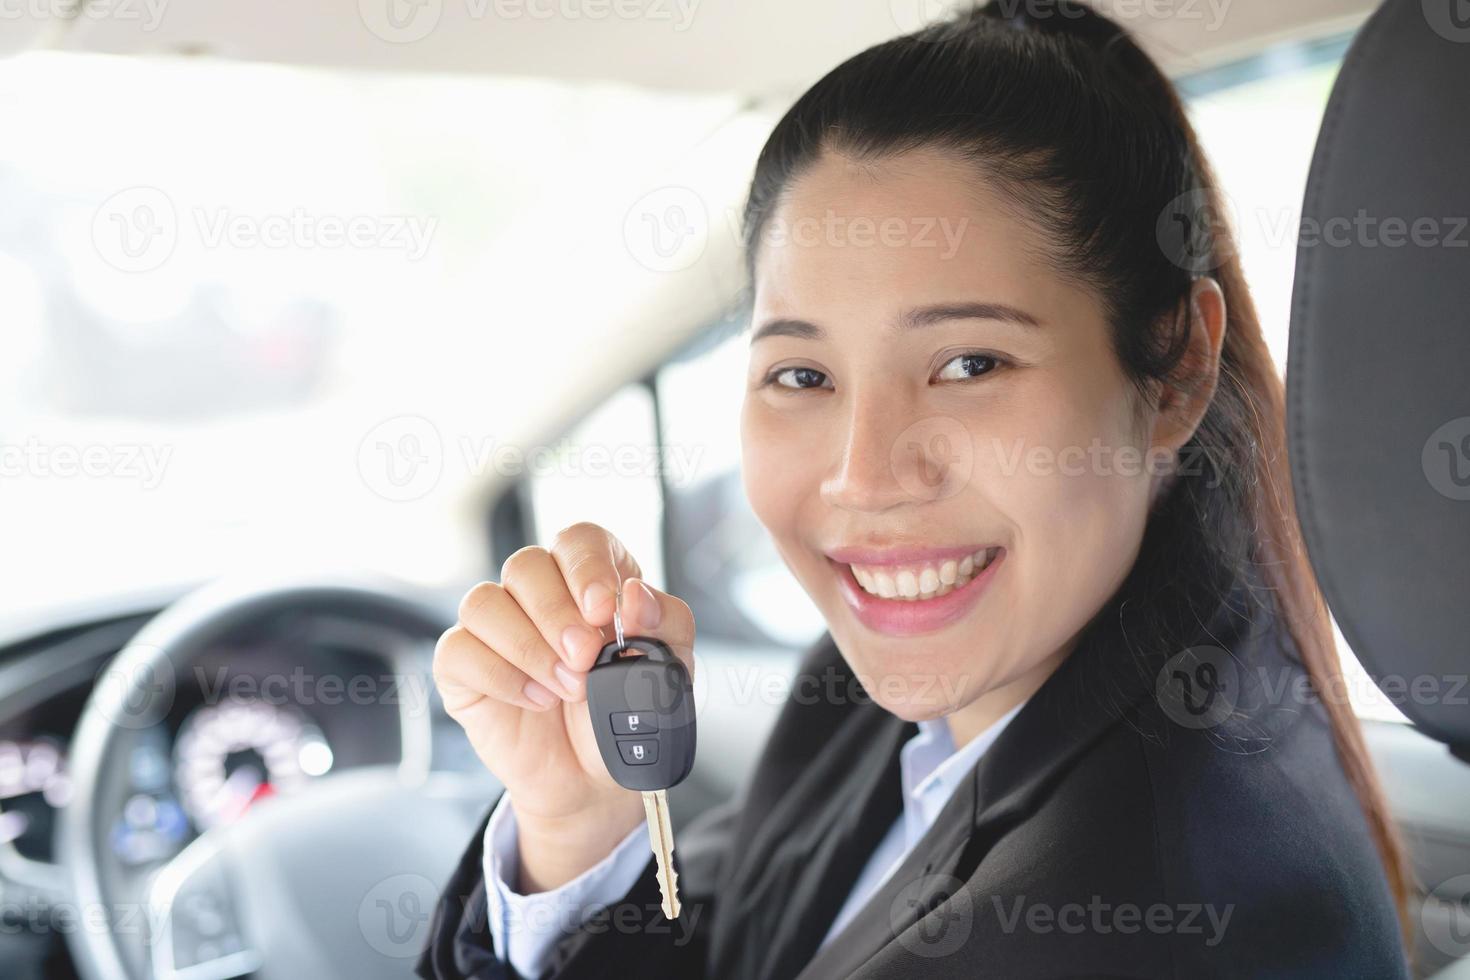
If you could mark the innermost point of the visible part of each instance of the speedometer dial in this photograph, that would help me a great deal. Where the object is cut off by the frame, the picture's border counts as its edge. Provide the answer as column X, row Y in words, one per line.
column 33, row 785
column 229, row 756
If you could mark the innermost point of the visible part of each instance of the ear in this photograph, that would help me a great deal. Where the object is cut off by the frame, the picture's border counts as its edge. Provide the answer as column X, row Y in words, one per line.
column 1182, row 404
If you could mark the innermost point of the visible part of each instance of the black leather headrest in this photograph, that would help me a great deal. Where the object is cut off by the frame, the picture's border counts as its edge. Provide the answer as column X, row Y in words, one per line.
column 1378, row 375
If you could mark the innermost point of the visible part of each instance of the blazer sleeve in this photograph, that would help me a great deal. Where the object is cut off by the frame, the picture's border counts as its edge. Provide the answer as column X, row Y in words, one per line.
column 628, row 938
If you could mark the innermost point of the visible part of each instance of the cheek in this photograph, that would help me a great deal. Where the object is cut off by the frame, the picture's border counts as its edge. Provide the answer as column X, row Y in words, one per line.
column 776, row 467
column 1074, row 483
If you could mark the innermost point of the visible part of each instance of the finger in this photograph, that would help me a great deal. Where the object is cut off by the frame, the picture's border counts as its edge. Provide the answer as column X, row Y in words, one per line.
column 497, row 619
column 650, row 612
column 592, row 561
column 466, row 671
column 534, row 580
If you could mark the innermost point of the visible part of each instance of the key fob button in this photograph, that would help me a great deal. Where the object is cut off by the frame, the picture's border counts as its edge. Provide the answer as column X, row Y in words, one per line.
column 639, row 751
column 634, row 722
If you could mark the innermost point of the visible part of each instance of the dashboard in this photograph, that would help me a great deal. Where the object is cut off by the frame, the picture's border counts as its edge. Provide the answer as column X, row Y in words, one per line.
column 263, row 713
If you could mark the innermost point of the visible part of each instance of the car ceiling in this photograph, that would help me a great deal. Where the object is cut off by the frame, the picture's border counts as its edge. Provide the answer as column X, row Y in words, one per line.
column 760, row 48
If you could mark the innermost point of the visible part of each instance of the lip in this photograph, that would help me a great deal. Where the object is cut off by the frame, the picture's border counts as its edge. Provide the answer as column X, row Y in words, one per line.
column 906, row 555
column 901, row 617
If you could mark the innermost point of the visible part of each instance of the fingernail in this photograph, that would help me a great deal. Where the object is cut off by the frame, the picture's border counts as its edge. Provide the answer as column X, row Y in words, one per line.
column 570, row 682
column 649, row 612
column 575, row 640
column 542, row 696
column 596, row 594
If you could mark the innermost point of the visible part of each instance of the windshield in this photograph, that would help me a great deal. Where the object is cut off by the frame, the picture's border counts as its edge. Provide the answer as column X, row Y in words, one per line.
column 233, row 294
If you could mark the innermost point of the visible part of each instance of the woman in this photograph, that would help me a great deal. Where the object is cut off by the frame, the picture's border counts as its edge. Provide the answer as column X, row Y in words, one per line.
column 1011, row 423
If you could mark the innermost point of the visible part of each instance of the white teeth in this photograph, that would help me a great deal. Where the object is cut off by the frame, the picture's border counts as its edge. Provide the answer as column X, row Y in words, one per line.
column 883, row 583
column 925, row 581
column 908, row 585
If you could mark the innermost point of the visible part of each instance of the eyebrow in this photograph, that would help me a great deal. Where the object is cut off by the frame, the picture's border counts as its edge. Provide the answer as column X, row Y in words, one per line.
column 921, row 316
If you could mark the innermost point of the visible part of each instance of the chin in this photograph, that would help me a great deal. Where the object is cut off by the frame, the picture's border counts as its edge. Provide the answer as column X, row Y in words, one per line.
column 913, row 686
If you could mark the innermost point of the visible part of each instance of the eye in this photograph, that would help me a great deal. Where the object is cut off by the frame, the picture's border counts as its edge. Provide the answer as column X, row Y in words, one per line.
column 799, row 378
column 969, row 365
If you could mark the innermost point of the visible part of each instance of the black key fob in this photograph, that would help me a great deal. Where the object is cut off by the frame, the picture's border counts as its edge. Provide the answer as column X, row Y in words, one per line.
column 642, row 709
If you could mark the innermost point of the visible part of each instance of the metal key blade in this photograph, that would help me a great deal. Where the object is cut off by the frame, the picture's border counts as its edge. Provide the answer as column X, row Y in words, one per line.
column 618, row 602
column 661, row 836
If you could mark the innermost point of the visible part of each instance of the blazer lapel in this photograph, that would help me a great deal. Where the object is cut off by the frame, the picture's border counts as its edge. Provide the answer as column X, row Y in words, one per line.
column 1093, row 689
column 924, row 880
column 814, row 864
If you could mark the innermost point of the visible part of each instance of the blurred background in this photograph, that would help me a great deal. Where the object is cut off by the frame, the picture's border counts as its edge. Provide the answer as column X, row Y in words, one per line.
column 400, row 286
column 332, row 310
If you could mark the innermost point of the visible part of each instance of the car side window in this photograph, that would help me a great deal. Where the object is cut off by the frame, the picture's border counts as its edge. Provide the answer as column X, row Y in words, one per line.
column 604, row 470
column 721, row 560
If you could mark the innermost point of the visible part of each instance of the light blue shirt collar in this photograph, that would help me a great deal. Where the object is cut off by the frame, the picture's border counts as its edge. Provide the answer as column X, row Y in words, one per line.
column 931, row 769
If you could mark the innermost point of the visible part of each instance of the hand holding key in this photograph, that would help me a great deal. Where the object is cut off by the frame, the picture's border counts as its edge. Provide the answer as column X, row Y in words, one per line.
column 641, row 702
column 513, row 674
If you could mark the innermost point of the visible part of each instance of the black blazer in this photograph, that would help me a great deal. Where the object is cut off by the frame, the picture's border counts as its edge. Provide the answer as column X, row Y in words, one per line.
column 1125, row 824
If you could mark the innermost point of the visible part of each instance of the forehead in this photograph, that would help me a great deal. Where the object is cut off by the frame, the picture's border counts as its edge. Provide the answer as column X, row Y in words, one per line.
column 922, row 225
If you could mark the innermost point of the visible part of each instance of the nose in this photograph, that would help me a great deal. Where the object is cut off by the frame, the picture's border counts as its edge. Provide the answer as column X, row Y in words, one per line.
column 885, row 460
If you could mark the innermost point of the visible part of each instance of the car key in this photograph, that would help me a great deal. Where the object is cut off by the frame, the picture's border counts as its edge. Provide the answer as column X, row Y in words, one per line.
column 642, row 710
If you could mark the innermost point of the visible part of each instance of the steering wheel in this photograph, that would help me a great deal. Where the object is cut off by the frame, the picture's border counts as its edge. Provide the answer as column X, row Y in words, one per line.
column 339, row 879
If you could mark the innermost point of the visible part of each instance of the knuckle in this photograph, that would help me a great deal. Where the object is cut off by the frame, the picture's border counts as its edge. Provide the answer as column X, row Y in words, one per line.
column 523, row 558
column 445, row 649
column 575, row 532
column 527, row 649
column 476, row 597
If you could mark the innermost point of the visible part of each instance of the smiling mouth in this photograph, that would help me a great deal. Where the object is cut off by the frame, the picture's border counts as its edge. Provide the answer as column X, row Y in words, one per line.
column 920, row 581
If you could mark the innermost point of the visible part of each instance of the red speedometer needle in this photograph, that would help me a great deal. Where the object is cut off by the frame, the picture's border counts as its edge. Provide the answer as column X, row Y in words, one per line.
column 261, row 792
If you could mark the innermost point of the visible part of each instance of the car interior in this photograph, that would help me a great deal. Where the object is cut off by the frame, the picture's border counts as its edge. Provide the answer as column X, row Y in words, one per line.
column 312, row 312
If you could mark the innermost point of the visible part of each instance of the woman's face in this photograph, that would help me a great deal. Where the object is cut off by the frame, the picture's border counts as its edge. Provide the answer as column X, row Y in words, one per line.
column 933, row 415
